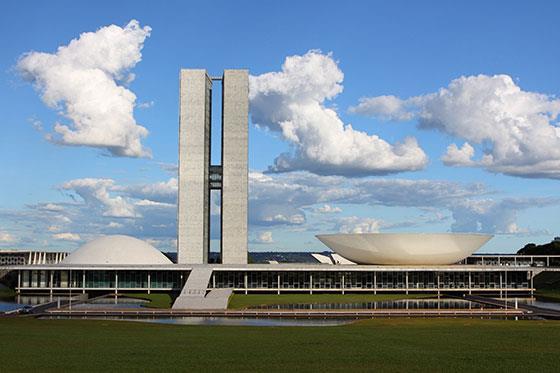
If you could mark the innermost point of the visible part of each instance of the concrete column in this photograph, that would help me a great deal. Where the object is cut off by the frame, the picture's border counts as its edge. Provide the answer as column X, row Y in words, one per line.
column 18, row 290
column 470, row 283
column 194, row 162
column 278, row 283
column 374, row 282
column 116, row 282
column 406, row 283
column 501, row 285
column 235, row 118
column 245, row 282
column 531, row 272
column 506, row 287
column 342, row 283
column 310, row 283
column 438, row 286
column 149, row 282
column 83, row 282
column 51, row 282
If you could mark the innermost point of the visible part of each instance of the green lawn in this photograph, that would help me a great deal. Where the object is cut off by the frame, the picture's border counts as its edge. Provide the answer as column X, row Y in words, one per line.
column 156, row 300
column 399, row 345
column 239, row 301
column 552, row 295
column 7, row 293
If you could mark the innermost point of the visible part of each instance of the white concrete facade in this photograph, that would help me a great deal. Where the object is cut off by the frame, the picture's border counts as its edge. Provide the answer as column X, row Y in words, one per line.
column 405, row 248
column 114, row 250
column 235, row 145
column 194, row 161
column 193, row 241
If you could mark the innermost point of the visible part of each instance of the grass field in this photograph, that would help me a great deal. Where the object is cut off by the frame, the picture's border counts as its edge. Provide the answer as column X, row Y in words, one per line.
column 239, row 301
column 156, row 300
column 6, row 292
column 404, row 345
column 552, row 295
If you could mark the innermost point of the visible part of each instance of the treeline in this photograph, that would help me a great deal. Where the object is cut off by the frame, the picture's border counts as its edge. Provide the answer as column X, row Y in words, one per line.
column 551, row 248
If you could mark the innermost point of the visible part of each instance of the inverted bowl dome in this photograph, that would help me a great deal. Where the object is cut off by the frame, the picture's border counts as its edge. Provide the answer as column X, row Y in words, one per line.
column 117, row 249
column 405, row 248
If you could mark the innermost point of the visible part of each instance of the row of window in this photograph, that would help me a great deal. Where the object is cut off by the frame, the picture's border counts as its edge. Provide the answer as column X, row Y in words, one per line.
column 274, row 280
column 102, row 279
column 517, row 261
column 369, row 280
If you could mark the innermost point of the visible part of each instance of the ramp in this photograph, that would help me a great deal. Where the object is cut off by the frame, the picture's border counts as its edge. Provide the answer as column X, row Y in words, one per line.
column 194, row 297
column 4, row 272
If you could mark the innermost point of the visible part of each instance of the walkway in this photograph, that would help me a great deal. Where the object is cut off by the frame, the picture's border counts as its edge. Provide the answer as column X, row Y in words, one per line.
column 532, row 310
column 194, row 295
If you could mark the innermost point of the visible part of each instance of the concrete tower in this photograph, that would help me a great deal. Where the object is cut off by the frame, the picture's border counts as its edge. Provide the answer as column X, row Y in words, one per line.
column 197, row 177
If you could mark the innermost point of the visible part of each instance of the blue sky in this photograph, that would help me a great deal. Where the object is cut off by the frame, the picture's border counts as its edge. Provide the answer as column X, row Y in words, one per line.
column 394, row 56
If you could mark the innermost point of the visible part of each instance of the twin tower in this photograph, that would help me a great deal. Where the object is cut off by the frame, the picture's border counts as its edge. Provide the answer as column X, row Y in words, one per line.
column 197, row 176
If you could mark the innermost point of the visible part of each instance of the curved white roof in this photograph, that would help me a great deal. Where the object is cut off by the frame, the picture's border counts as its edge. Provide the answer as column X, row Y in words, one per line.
column 405, row 248
column 116, row 250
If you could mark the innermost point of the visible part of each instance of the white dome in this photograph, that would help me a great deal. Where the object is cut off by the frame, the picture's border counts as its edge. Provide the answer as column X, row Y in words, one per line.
column 404, row 248
column 116, row 250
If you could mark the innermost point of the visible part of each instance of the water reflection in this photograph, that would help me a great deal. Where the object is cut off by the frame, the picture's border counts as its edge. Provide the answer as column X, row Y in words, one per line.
column 407, row 304
column 10, row 306
column 539, row 303
column 20, row 301
column 225, row 321
column 112, row 302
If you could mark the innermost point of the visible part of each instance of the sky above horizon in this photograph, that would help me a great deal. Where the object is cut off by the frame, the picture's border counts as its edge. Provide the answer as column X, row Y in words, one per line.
column 364, row 117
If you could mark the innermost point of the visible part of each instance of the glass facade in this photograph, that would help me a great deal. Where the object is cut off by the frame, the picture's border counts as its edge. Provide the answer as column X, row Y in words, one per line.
column 167, row 279
column 379, row 280
column 514, row 260
column 303, row 280
column 100, row 279
column 133, row 279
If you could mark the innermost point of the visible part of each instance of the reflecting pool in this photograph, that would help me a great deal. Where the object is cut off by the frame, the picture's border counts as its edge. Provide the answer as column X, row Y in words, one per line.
column 412, row 304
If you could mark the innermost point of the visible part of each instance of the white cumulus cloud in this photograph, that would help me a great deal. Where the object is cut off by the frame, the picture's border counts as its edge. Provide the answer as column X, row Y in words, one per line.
column 517, row 132
column 95, row 193
column 276, row 197
column 327, row 209
column 456, row 156
column 164, row 191
column 6, row 237
column 386, row 107
column 263, row 238
column 67, row 236
column 292, row 102
column 354, row 224
column 489, row 216
column 84, row 81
